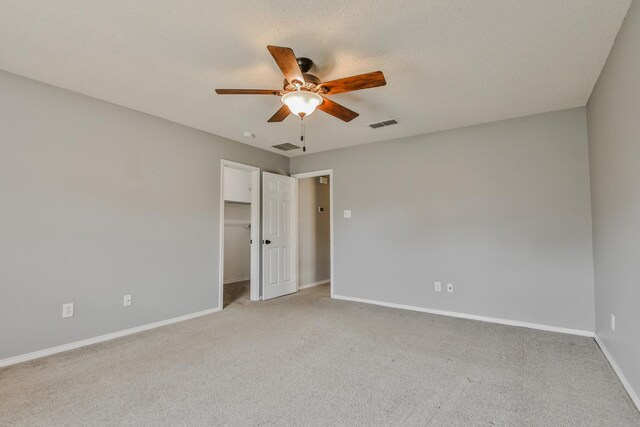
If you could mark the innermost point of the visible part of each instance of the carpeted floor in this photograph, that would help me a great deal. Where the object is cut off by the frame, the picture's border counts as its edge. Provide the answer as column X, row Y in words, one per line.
column 237, row 292
column 305, row 359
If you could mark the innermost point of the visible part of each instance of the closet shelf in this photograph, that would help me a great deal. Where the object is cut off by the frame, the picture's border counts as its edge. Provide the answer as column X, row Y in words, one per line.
column 237, row 222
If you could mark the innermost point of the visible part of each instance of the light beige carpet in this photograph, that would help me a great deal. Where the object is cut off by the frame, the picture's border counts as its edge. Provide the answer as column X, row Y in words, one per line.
column 236, row 292
column 308, row 360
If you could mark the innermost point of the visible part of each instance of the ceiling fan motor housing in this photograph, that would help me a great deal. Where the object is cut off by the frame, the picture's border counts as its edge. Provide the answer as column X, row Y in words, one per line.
column 310, row 83
column 305, row 64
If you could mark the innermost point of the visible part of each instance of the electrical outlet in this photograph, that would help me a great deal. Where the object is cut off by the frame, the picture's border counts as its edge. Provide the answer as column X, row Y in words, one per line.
column 450, row 288
column 613, row 323
column 67, row 310
column 437, row 286
column 347, row 213
column 127, row 301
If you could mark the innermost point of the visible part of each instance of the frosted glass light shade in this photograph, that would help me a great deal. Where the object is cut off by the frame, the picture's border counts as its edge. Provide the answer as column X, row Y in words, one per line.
column 301, row 102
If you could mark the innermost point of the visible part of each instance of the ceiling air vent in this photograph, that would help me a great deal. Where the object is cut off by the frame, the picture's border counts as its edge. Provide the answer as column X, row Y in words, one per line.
column 383, row 123
column 286, row 147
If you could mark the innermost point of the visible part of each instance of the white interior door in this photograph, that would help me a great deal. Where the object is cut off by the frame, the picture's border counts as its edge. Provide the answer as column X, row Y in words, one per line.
column 279, row 252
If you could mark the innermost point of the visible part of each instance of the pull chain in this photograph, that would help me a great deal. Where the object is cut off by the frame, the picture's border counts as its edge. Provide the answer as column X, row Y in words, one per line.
column 302, row 135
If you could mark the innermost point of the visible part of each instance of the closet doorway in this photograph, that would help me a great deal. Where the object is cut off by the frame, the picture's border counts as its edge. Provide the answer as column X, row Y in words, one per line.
column 315, row 229
column 239, row 277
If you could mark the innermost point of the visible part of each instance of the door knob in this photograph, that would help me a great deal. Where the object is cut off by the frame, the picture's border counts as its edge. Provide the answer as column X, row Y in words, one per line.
column 266, row 242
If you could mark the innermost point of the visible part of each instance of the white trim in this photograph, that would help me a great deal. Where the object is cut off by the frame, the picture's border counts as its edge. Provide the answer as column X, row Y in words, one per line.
column 89, row 341
column 237, row 165
column 632, row 393
column 314, row 174
column 312, row 284
column 255, row 230
column 236, row 280
column 254, row 288
column 472, row 317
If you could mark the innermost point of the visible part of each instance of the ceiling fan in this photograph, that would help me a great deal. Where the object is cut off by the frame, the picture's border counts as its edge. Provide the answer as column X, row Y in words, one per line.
column 302, row 93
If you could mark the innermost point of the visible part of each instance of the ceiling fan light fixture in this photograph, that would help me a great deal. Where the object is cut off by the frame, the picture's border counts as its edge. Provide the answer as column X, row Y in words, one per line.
column 301, row 102
column 302, row 93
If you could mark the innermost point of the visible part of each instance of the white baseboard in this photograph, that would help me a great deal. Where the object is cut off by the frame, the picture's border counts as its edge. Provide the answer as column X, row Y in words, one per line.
column 239, row 279
column 311, row 285
column 82, row 343
column 618, row 371
column 472, row 317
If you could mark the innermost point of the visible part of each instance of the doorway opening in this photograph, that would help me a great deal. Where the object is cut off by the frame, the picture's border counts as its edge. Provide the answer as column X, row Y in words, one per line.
column 239, row 276
column 315, row 229
column 237, row 251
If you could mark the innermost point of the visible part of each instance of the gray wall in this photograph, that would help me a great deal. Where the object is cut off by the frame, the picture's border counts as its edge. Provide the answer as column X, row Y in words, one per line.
column 98, row 201
column 502, row 210
column 314, row 254
column 614, row 151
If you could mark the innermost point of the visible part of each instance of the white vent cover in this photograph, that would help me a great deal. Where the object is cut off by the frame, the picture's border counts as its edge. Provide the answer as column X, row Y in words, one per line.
column 384, row 123
column 286, row 147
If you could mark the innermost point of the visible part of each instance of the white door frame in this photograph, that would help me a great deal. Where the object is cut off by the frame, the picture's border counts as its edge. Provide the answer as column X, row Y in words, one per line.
column 315, row 174
column 255, row 230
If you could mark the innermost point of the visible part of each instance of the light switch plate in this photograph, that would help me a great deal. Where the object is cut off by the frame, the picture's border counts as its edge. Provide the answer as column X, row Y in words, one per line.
column 450, row 288
column 67, row 310
column 347, row 213
column 126, row 301
column 437, row 286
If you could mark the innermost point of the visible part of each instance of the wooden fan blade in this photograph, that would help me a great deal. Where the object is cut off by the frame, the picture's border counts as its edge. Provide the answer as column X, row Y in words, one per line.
column 286, row 60
column 280, row 115
column 337, row 110
column 248, row 92
column 348, row 84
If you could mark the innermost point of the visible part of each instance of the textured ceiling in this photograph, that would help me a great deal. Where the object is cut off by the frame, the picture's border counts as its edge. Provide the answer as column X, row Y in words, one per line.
column 448, row 63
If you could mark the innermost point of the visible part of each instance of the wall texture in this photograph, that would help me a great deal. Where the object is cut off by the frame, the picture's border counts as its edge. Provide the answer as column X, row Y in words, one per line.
column 502, row 210
column 614, row 150
column 314, row 253
column 99, row 201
